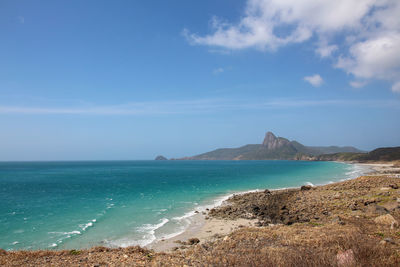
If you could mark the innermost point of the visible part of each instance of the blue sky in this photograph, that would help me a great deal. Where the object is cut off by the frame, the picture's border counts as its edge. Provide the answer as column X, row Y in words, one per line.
column 134, row 79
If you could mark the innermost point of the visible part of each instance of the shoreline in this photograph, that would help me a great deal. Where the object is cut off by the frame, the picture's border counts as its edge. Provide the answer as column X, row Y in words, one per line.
column 207, row 229
column 356, row 220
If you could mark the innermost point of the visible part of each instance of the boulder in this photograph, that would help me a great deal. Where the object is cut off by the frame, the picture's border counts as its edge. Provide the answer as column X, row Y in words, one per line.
column 388, row 220
column 193, row 241
column 389, row 240
column 346, row 258
column 306, row 187
column 338, row 220
column 376, row 209
column 394, row 186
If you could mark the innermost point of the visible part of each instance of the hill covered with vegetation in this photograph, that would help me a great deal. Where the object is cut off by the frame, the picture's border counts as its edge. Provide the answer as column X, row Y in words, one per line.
column 379, row 154
column 272, row 148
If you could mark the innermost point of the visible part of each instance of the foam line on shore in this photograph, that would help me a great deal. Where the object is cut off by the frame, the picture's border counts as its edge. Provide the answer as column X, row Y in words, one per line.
column 149, row 236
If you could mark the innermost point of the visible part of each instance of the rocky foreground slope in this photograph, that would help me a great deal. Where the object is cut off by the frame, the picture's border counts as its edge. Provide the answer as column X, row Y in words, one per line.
column 351, row 223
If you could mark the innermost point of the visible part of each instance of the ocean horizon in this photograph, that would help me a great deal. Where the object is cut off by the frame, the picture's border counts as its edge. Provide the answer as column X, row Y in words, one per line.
column 80, row 204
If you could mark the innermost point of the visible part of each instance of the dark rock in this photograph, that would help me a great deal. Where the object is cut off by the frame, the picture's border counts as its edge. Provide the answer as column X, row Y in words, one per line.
column 255, row 209
column 306, row 187
column 267, row 192
column 389, row 240
column 353, row 206
column 376, row 209
column 3, row 252
column 193, row 241
column 367, row 202
column 394, row 186
column 161, row 158
column 338, row 220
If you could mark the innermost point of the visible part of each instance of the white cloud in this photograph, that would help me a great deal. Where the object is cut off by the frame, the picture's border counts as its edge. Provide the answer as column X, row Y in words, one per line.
column 396, row 87
column 218, row 71
column 361, row 36
column 315, row 80
column 21, row 19
column 326, row 50
column 197, row 106
column 358, row 84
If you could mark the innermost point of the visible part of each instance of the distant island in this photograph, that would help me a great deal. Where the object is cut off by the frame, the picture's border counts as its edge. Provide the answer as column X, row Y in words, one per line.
column 160, row 158
column 273, row 148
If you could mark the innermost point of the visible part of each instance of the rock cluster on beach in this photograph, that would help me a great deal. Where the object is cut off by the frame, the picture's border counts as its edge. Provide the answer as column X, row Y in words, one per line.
column 363, row 195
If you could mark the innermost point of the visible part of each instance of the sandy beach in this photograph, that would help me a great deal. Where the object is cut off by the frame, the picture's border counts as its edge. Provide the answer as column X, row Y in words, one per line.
column 203, row 229
column 383, row 168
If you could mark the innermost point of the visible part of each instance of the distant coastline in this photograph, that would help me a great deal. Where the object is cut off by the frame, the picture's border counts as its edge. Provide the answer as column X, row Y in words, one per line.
column 279, row 148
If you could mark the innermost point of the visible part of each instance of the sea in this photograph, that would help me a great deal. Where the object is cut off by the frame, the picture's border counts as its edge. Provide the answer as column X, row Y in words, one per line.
column 74, row 205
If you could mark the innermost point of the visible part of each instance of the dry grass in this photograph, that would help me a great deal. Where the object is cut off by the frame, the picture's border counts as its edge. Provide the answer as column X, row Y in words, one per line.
column 297, row 245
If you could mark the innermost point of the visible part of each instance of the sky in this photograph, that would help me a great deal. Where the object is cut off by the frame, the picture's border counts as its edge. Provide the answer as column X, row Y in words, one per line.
column 115, row 80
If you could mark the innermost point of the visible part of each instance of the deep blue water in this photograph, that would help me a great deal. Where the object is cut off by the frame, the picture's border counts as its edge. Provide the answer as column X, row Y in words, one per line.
column 119, row 203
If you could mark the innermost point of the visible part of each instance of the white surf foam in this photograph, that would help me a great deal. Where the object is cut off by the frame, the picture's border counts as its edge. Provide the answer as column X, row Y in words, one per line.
column 356, row 170
column 148, row 236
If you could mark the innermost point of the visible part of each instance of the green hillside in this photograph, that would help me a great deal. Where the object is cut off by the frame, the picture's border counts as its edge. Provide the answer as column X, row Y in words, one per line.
column 380, row 154
column 272, row 148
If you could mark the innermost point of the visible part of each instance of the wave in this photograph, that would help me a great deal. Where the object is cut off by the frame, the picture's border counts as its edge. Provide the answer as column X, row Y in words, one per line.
column 149, row 236
column 356, row 170
column 68, row 235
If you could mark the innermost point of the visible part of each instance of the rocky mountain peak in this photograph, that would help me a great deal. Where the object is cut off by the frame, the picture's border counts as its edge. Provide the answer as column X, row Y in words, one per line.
column 160, row 158
column 272, row 142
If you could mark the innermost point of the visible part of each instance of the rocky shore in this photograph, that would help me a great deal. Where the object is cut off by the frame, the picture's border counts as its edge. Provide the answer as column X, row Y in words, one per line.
column 351, row 223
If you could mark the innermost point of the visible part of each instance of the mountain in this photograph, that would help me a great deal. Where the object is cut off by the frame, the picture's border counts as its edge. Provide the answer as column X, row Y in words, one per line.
column 160, row 158
column 379, row 154
column 271, row 148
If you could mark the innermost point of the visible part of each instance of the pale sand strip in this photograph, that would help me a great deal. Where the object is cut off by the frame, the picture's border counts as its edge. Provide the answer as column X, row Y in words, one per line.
column 204, row 230
column 382, row 169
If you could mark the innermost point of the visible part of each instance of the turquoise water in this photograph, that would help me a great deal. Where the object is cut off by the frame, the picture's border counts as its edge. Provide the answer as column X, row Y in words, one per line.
column 63, row 205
